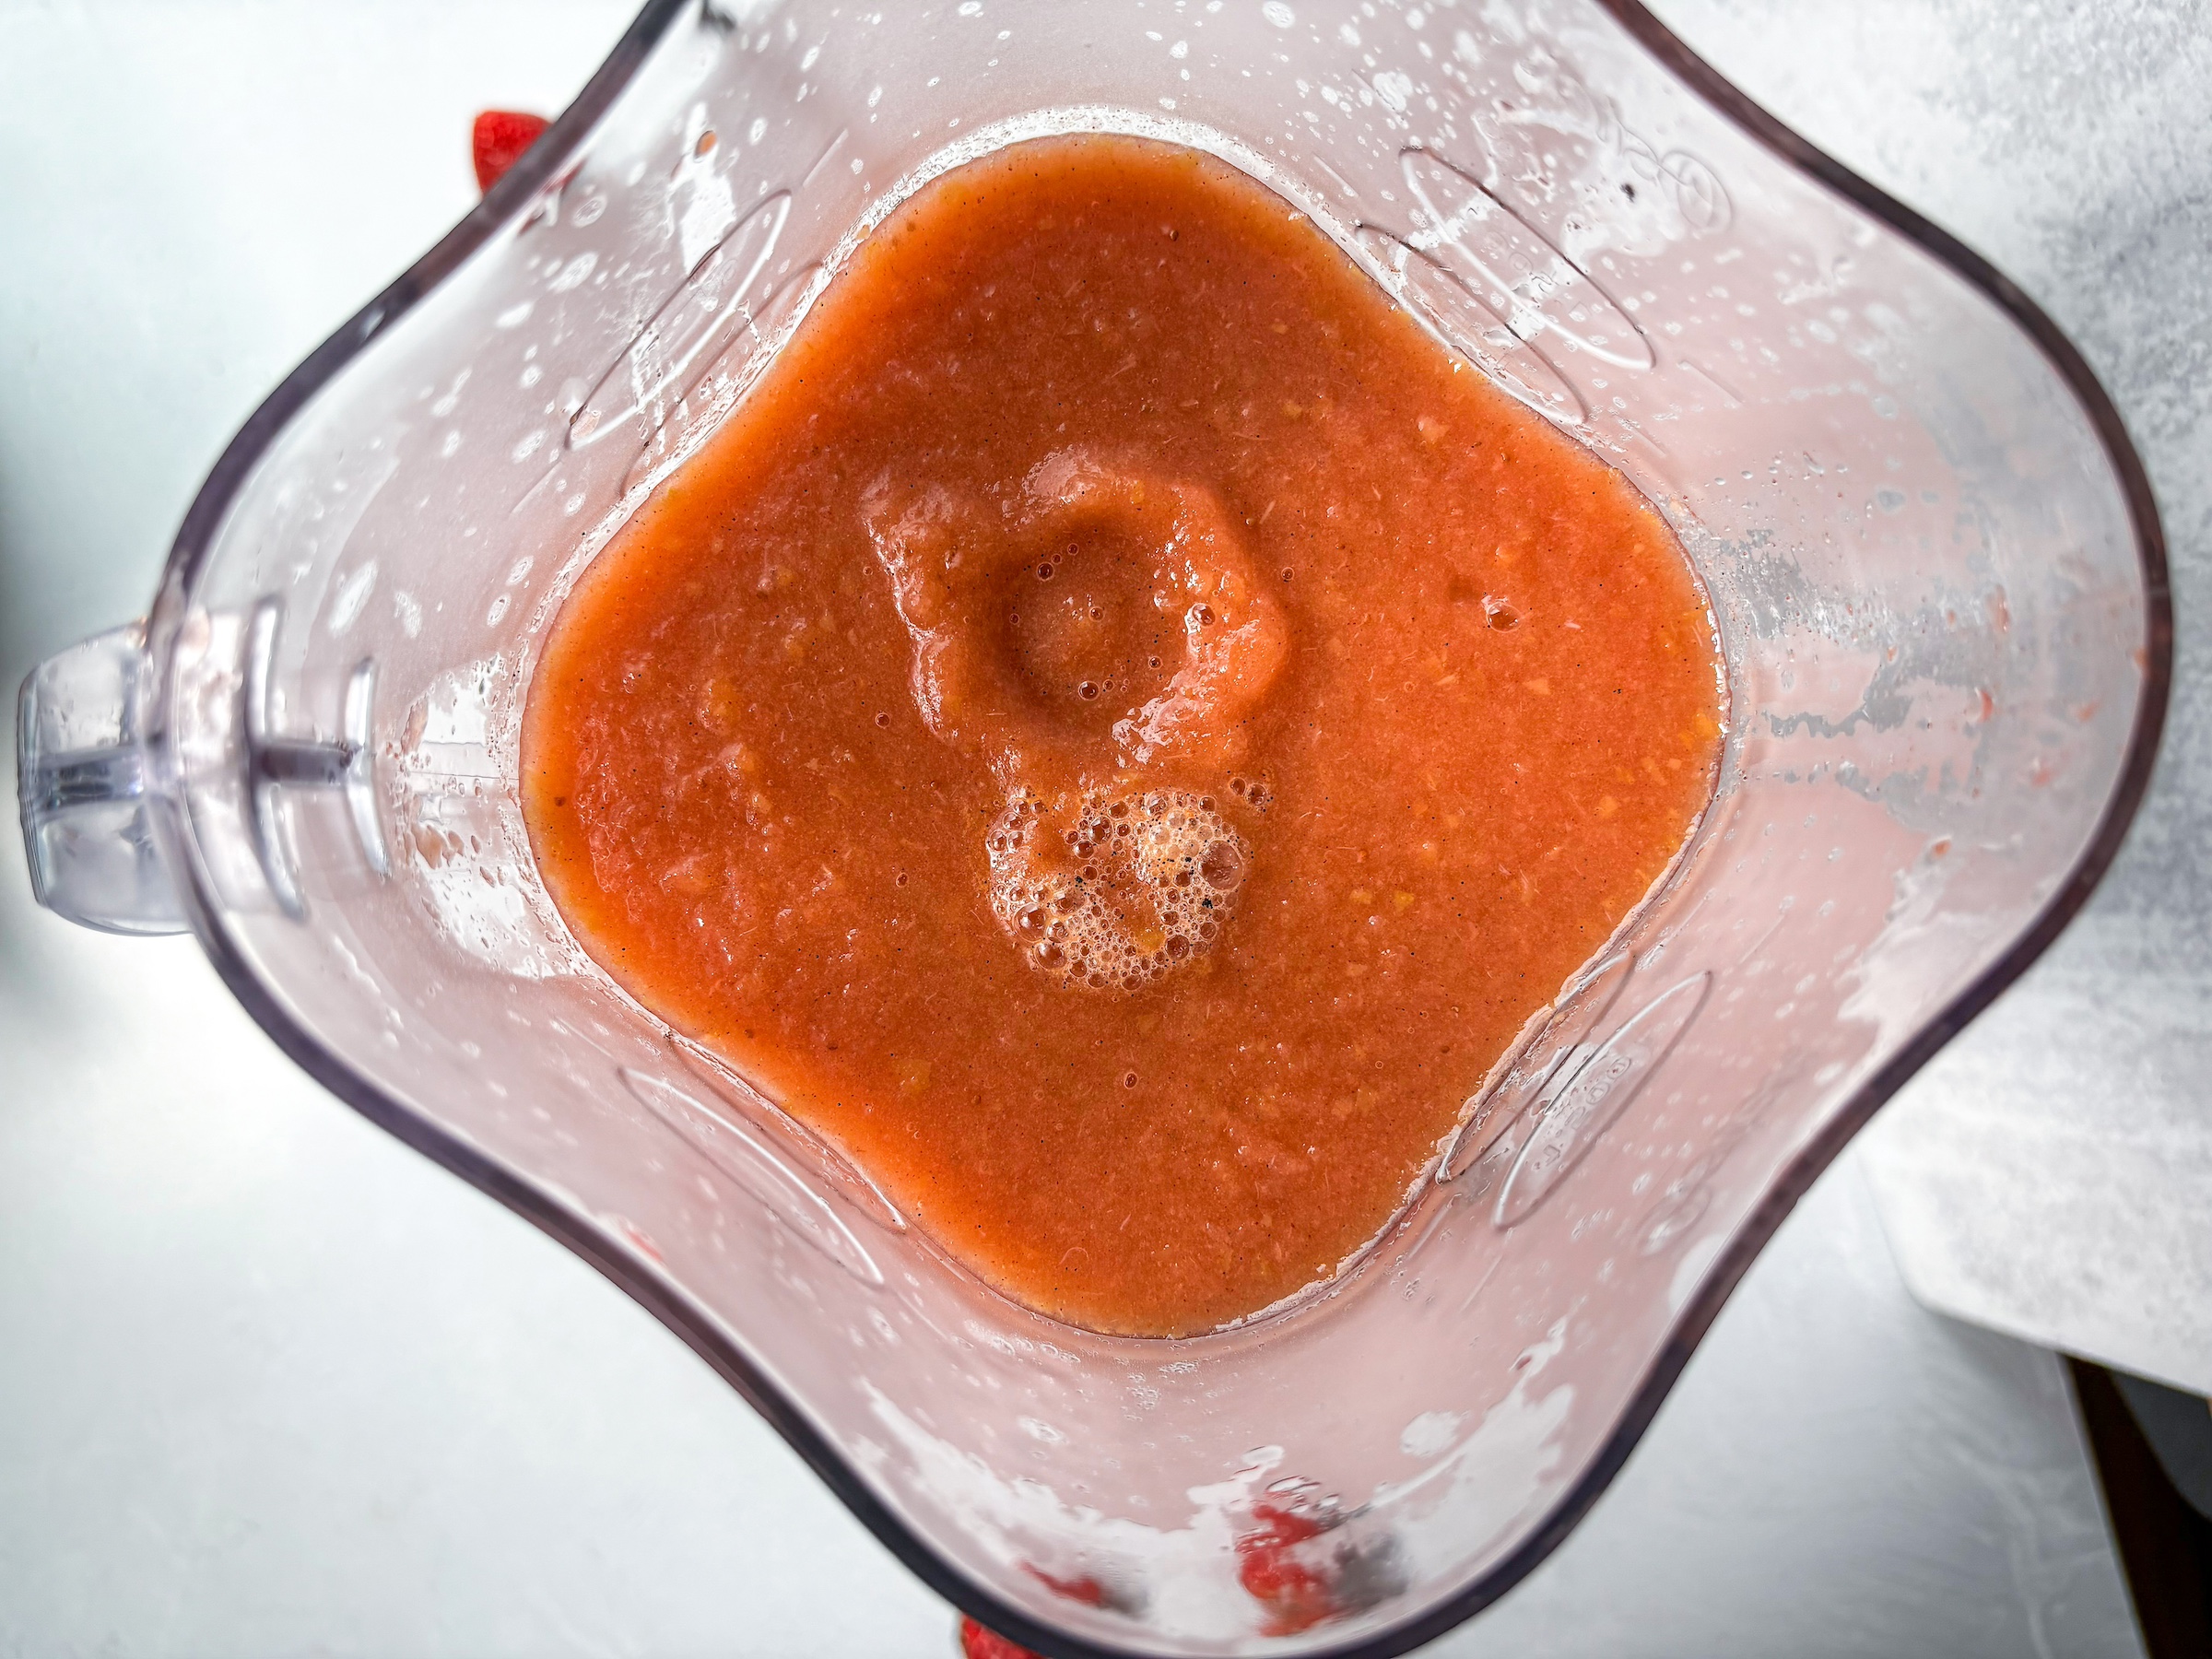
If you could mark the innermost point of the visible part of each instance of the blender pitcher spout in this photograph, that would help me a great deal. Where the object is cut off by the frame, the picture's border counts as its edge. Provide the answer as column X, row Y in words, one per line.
column 82, row 784
column 85, row 779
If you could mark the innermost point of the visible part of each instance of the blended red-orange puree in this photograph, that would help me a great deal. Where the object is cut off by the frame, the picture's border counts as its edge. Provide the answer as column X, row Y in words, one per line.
column 1119, row 731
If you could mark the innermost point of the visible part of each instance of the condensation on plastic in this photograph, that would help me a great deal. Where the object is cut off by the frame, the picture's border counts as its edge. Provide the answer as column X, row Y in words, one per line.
column 1935, row 575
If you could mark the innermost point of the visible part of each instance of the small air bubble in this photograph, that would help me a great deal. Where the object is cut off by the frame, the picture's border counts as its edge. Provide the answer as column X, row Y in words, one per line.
column 1088, row 691
column 1045, row 572
column 883, row 719
column 1222, row 867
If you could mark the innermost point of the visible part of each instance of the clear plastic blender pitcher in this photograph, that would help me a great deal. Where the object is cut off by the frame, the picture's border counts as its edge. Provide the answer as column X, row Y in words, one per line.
column 1936, row 568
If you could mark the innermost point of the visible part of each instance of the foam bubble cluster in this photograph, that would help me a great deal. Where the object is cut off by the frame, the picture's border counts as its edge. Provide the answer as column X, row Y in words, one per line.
column 1117, row 890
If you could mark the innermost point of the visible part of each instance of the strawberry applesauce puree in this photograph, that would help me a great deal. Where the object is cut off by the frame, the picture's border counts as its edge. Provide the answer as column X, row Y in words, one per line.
column 1119, row 731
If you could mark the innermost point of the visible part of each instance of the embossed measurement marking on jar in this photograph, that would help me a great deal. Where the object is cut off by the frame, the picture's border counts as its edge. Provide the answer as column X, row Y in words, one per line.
column 1596, row 1096
column 845, row 1177
column 1548, row 1062
column 746, row 1161
column 1471, row 327
column 1511, row 266
column 707, row 311
column 1565, row 103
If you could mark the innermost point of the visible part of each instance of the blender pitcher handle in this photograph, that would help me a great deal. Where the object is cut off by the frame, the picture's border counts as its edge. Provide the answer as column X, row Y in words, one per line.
column 82, row 781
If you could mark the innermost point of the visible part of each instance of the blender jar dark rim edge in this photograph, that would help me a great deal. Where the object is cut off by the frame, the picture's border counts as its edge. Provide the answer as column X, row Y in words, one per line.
column 679, row 1315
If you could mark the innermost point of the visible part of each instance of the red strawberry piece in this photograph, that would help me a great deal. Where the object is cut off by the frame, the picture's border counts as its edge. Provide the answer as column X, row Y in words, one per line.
column 498, row 141
column 1278, row 1526
column 976, row 1642
column 1295, row 1594
column 1087, row 1590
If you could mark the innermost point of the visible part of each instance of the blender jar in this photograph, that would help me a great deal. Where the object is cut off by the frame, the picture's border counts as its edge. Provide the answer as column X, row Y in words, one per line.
column 1931, row 553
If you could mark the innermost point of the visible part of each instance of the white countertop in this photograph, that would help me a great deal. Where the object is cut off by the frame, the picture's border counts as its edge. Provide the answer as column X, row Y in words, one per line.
column 271, row 1385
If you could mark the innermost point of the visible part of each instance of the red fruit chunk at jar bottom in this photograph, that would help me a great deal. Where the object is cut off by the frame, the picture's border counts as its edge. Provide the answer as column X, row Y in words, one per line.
column 1296, row 1595
column 1087, row 1591
column 498, row 141
column 976, row 1642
